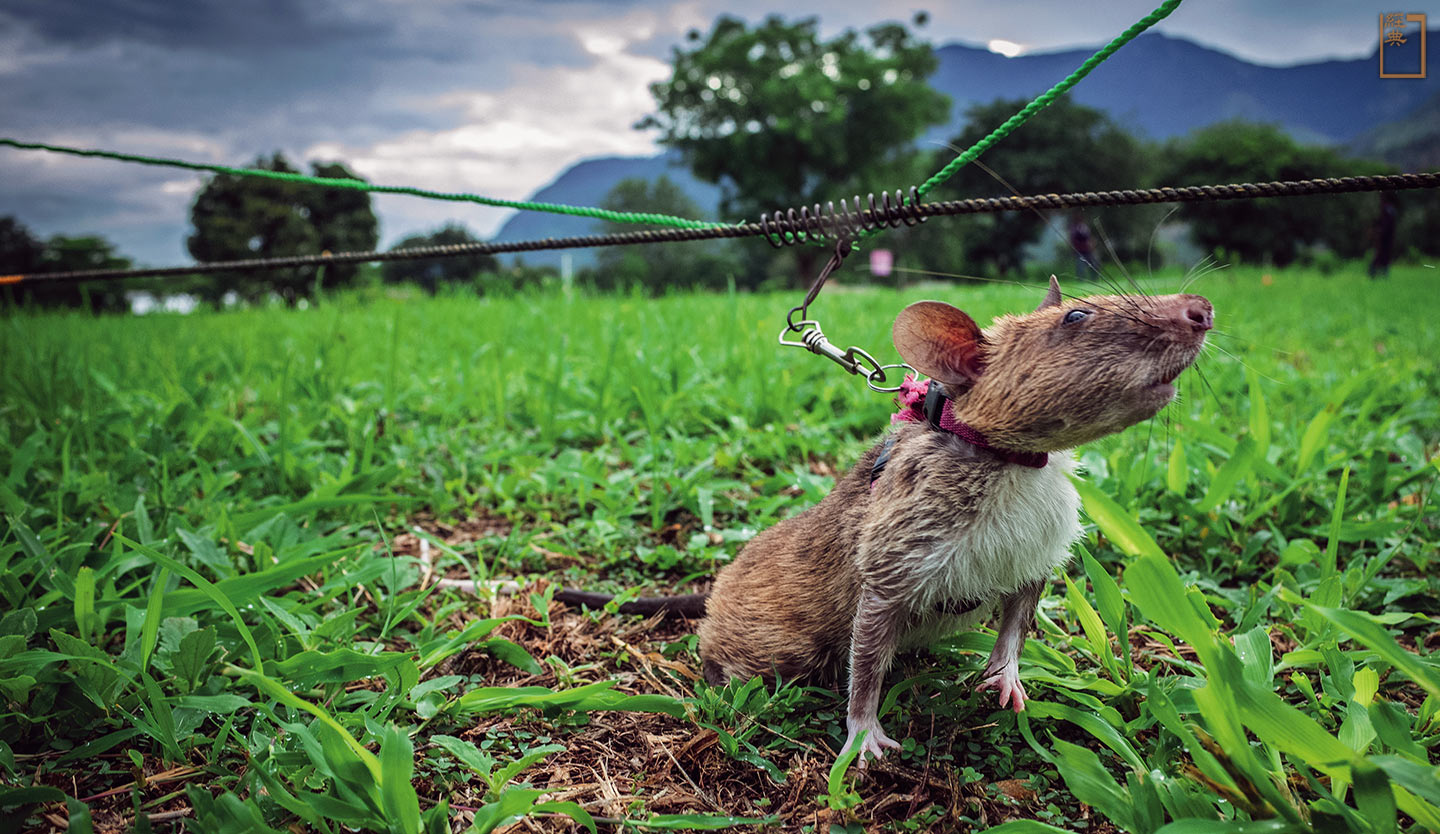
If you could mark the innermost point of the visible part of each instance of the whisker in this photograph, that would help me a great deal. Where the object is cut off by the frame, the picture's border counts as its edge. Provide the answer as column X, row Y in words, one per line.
column 1241, row 360
column 961, row 275
column 1104, row 281
column 1025, row 285
column 1248, row 341
column 1150, row 248
column 1204, row 380
column 1114, row 256
column 1204, row 267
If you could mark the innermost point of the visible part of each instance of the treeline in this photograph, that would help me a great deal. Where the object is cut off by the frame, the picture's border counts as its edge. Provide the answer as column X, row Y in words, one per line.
column 1067, row 147
column 21, row 252
column 242, row 218
column 779, row 117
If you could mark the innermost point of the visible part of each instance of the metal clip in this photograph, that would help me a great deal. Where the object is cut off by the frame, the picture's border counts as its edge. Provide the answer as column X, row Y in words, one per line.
column 854, row 359
column 812, row 338
column 842, row 248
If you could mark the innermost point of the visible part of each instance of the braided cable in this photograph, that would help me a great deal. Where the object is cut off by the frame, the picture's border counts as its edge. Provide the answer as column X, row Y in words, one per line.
column 976, row 205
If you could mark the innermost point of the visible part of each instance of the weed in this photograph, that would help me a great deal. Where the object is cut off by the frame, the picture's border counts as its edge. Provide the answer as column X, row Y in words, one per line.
column 217, row 602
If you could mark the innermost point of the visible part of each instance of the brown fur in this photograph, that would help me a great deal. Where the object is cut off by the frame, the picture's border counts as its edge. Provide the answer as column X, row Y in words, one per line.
column 855, row 575
column 1050, row 387
column 950, row 528
column 787, row 603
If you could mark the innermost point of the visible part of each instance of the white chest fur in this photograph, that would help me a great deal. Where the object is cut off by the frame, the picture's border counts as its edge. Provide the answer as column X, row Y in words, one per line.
column 1021, row 531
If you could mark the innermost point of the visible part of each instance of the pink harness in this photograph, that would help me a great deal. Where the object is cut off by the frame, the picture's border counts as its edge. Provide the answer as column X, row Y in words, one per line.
column 920, row 402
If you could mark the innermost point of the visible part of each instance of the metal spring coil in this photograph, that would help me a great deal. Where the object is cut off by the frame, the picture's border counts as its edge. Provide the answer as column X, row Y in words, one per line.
column 789, row 227
column 812, row 338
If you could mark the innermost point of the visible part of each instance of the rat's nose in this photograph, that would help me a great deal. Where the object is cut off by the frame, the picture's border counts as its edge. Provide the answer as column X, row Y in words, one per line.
column 1197, row 312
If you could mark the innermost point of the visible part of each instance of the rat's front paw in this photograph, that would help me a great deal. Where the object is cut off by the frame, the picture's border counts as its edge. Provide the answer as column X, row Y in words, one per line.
column 874, row 743
column 1006, row 681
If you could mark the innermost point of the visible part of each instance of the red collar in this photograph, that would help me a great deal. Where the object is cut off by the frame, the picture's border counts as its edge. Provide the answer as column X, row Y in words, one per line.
column 939, row 411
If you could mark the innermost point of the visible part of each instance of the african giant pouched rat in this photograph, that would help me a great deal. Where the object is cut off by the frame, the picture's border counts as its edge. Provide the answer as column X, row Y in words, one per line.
column 965, row 505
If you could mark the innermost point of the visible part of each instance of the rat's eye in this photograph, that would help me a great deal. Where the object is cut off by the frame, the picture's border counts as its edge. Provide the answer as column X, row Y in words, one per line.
column 1075, row 315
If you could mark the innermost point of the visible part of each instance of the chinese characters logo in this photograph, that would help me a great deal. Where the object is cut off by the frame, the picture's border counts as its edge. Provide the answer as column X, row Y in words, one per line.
column 1402, row 48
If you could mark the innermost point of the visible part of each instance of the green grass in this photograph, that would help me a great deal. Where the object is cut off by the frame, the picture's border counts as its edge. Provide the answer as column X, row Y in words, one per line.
column 214, row 610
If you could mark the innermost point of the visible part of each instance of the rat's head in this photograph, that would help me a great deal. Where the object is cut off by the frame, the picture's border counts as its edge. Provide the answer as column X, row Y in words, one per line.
column 1072, row 371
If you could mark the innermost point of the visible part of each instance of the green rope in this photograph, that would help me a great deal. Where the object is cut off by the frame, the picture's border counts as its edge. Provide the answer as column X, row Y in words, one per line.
column 361, row 185
column 1048, row 96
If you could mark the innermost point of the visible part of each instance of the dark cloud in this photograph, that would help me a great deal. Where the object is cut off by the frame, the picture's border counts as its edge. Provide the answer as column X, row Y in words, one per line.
column 157, row 77
column 211, row 24
column 279, row 72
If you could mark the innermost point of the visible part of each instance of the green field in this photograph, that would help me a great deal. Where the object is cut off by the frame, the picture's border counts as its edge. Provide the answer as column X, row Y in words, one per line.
column 216, row 610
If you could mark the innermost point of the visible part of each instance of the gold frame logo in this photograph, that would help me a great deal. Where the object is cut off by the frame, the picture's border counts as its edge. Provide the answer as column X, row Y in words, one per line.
column 1392, row 33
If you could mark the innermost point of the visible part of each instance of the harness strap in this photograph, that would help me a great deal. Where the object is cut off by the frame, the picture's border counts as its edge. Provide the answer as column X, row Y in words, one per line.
column 939, row 412
column 881, row 460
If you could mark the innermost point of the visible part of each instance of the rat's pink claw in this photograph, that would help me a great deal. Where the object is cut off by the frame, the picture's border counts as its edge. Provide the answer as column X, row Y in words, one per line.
column 1007, row 683
column 874, row 744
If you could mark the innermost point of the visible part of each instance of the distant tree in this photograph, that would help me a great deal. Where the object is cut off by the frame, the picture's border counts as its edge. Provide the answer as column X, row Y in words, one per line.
column 237, row 217
column 19, row 249
column 343, row 219
column 431, row 272
column 1065, row 147
column 1419, row 222
column 72, row 254
column 1274, row 230
column 21, row 252
column 779, row 117
column 658, row 266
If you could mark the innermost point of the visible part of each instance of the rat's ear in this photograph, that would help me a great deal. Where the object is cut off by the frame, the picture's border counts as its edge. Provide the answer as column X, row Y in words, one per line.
column 940, row 341
column 1052, row 298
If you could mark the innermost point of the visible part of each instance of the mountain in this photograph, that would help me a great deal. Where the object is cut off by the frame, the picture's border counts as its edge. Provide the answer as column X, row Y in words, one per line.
column 1412, row 143
column 1157, row 86
column 1162, row 86
column 586, row 184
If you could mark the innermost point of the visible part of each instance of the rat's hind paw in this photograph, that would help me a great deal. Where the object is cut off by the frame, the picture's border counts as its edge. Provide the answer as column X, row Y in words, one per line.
column 1006, row 681
column 874, row 743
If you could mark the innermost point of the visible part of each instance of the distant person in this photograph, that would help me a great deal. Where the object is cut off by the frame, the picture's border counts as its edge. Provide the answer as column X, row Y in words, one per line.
column 1384, row 234
column 1084, row 247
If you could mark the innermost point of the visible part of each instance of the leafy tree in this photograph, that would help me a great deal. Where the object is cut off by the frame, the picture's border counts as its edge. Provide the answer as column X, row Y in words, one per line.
column 431, row 272
column 238, row 217
column 343, row 219
column 1419, row 231
column 660, row 265
column 1065, row 147
column 779, row 117
column 21, row 252
column 19, row 249
column 72, row 254
column 1275, row 230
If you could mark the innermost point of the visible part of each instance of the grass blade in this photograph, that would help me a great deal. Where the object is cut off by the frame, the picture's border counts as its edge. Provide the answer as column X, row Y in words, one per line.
column 86, row 623
column 1374, row 637
column 1328, row 565
column 397, row 764
column 206, row 587
column 1115, row 523
column 1241, row 461
column 1177, row 473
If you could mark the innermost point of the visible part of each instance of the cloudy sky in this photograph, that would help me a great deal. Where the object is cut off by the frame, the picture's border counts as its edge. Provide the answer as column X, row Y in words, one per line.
column 495, row 98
